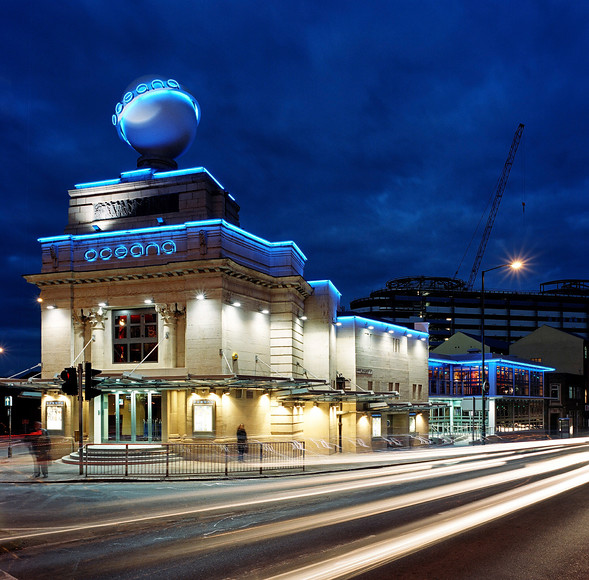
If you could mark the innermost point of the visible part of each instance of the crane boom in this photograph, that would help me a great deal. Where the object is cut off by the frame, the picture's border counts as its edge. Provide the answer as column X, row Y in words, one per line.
column 496, row 201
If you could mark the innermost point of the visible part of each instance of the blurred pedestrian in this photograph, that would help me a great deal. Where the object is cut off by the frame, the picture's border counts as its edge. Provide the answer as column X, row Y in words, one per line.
column 241, row 442
column 40, row 448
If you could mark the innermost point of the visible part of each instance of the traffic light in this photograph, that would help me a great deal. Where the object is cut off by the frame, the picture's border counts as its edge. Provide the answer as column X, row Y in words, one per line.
column 90, row 382
column 70, row 381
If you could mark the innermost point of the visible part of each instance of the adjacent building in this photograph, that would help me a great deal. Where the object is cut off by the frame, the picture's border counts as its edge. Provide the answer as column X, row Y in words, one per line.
column 568, row 384
column 517, row 398
column 449, row 307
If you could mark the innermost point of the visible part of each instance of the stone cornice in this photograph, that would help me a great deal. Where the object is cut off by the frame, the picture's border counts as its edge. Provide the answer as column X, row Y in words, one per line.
column 226, row 267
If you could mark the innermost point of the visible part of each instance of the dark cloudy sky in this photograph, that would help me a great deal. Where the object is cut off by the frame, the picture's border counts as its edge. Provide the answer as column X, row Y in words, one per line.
column 371, row 135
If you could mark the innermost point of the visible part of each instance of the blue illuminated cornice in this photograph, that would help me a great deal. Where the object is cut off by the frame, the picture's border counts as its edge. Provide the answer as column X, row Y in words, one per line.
column 171, row 228
column 384, row 325
column 329, row 283
column 148, row 173
column 488, row 361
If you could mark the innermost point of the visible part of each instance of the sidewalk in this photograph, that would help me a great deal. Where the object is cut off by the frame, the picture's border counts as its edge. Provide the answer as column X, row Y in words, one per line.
column 19, row 467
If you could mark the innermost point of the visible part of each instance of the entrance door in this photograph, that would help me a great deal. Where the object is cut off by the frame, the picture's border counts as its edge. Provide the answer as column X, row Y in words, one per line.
column 131, row 416
column 148, row 417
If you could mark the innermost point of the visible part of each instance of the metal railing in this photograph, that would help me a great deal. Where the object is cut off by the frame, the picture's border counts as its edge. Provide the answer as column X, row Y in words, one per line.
column 190, row 459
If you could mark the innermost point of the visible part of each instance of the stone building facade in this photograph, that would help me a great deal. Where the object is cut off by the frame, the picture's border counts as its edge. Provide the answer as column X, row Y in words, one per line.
column 198, row 325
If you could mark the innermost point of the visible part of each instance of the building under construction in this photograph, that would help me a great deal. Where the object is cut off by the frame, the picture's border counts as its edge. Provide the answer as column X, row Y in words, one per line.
column 449, row 307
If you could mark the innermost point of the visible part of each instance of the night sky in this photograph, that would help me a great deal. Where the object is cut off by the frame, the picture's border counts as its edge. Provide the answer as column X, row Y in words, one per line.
column 372, row 136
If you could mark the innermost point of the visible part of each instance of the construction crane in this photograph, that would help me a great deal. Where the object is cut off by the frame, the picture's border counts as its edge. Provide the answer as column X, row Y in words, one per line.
column 496, row 201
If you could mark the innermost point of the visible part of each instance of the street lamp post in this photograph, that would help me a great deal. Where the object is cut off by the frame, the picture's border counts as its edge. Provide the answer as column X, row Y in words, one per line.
column 515, row 266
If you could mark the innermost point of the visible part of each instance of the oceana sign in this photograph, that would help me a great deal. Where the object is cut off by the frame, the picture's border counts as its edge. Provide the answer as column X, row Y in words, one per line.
column 136, row 250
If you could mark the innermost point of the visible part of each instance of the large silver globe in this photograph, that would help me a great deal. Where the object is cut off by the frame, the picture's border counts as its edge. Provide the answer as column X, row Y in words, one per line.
column 159, row 120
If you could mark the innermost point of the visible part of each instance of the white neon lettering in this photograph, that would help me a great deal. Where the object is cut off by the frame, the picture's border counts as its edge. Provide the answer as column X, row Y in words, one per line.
column 91, row 255
column 152, row 245
column 136, row 250
column 121, row 252
column 105, row 254
column 169, row 247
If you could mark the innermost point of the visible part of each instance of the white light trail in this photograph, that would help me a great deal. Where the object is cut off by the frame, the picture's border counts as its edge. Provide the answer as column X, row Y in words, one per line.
column 442, row 527
column 352, row 482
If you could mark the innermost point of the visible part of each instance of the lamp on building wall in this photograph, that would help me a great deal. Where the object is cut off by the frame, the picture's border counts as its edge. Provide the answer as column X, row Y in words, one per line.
column 515, row 265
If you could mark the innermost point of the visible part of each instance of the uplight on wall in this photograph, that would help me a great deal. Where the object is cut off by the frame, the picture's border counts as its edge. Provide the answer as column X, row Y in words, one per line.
column 148, row 301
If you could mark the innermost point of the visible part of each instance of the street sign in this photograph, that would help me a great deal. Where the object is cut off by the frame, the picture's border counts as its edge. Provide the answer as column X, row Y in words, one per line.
column 8, row 401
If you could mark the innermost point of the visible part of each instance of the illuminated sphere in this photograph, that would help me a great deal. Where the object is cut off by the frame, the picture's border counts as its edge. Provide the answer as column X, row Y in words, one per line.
column 158, row 119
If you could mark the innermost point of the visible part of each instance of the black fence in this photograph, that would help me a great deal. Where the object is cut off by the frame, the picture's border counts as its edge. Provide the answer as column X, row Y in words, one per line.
column 191, row 459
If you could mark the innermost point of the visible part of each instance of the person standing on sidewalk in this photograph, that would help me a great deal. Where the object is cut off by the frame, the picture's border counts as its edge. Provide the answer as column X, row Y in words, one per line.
column 40, row 447
column 241, row 442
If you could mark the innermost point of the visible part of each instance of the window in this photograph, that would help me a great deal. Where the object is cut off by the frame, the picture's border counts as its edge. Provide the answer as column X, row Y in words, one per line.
column 521, row 378
column 554, row 390
column 536, row 384
column 135, row 335
column 504, row 380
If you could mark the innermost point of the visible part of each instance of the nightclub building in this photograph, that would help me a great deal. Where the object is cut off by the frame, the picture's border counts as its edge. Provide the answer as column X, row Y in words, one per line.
column 198, row 325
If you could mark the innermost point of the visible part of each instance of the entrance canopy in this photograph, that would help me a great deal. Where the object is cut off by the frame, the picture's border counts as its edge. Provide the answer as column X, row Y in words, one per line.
column 285, row 389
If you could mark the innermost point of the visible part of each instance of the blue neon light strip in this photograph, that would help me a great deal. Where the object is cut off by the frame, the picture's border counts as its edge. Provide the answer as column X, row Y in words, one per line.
column 138, row 173
column 179, row 172
column 323, row 282
column 387, row 325
column 169, row 228
column 474, row 363
column 97, row 183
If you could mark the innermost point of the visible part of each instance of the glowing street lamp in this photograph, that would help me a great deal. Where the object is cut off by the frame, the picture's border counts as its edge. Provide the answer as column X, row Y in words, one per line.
column 515, row 265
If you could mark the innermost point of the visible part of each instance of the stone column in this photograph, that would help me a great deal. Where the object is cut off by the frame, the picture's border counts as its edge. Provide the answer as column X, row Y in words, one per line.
column 169, row 315
column 80, row 324
column 98, row 356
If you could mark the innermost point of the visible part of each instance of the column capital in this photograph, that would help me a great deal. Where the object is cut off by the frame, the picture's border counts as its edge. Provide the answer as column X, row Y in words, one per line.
column 170, row 312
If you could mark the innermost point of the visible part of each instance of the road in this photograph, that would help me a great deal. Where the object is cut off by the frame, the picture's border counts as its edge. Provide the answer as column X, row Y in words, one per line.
column 500, row 511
